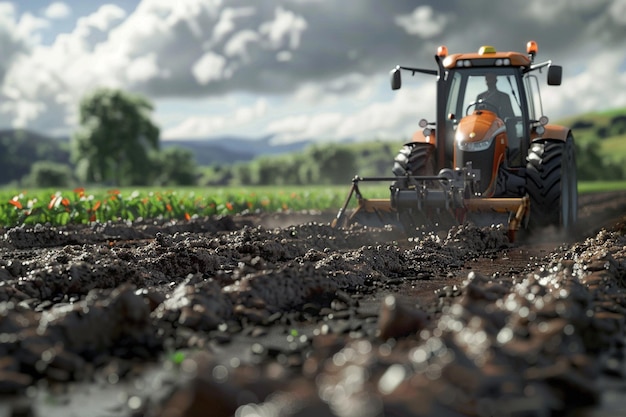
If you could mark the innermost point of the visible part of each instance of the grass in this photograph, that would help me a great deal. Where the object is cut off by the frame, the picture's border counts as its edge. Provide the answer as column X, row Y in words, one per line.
column 601, row 186
column 614, row 147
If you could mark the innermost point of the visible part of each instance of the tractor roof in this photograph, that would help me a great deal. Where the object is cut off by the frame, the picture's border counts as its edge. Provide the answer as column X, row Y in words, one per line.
column 487, row 56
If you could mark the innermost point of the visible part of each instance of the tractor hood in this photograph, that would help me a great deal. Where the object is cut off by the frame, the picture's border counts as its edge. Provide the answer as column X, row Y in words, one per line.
column 477, row 131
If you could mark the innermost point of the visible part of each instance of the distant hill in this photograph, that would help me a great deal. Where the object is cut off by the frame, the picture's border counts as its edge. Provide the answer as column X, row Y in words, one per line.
column 230, row 149
column 609, row 127
column 19, row 149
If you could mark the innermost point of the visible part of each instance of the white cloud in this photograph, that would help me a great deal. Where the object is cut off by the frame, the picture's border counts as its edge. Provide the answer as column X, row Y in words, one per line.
column 209, row 68
column 286, row 28
column 321, row 126
column 395, row 118
column 226, row 23
column 547, row 11
column 47, row 83
column 203, row 126
column 57, row 10
column 284, row 56
column 423, row 22
column 588, row 84
column 12, row 44
column 142, row 69
column 237, row 45
column 28, row 26
column 107, row 16
column 617, row 11
column 355, row 85
column 249, row 114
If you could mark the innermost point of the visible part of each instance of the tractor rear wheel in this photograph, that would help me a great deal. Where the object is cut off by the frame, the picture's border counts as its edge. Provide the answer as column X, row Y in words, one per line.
column 551, row 184
column 414, row 159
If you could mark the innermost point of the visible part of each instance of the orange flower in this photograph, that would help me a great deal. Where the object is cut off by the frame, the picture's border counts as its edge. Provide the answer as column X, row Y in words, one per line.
column 16, row 203
column 285, row 207
column 65, row 202
column 92, row 218
column 113, row 192
column 97, row 205
column 80, row 191
column 168, row 207
column 53, row 201
column 229, row 206
column 249, row 204
column 187, row 216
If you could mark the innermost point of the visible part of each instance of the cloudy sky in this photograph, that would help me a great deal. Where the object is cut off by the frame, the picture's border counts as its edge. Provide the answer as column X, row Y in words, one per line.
column 292, row 69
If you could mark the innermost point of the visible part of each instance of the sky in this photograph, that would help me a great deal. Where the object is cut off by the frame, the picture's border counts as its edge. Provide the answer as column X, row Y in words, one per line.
column 289, row 69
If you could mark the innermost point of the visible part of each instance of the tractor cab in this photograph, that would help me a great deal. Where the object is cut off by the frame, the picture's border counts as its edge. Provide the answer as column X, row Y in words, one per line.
column 475, row 95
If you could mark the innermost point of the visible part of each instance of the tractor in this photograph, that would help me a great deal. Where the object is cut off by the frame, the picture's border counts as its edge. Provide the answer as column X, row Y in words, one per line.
column 489, row 157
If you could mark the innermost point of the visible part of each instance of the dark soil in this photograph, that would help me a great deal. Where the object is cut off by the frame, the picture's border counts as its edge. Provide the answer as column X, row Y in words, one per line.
column 282, row 315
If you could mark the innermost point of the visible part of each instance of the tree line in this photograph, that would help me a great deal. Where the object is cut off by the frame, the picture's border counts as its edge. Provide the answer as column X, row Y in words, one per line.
column 117, row 144
column 324, row 163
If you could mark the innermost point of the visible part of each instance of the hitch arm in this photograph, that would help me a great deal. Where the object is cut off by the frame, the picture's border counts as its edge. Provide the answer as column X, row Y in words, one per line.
column 342, row 211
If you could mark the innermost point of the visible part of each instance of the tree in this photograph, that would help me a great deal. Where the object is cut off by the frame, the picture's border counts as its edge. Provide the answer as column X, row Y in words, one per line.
column 337, row 164
column 48, row 174
column 115, row 138
column 176, row 166
column 243, row 173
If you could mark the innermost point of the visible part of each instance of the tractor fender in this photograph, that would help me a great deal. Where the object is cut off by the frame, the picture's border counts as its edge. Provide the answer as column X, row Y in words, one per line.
column 554, row 132
column 419, row 137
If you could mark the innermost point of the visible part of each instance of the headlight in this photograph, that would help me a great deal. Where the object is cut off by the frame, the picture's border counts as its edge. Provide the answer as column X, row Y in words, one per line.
column 482, row 145
column 505, row 61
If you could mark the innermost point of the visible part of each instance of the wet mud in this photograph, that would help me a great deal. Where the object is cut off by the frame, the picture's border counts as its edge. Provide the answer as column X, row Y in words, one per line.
column 282, row 315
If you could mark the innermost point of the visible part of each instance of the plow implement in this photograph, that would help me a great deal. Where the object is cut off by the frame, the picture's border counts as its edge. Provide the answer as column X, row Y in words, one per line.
column 431, row 203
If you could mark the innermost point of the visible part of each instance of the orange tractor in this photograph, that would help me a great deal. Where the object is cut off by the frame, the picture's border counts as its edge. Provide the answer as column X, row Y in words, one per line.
column 489, row 156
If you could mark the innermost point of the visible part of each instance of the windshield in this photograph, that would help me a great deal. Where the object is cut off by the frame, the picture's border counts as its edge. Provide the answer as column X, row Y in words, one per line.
column 498, row 90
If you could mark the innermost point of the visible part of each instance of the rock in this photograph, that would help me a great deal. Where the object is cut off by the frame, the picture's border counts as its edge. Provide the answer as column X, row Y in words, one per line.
column 396, row 320
column 12, row 382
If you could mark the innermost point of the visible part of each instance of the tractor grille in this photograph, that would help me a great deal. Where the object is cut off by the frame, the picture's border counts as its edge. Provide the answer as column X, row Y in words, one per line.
column 481, row 160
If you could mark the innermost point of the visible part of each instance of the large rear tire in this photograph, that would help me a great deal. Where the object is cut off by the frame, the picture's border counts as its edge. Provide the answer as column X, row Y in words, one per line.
column 414, row 159
column 552, row 185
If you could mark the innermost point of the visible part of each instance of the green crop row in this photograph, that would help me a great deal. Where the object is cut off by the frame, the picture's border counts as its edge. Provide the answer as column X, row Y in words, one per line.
column 83, row 206
column 59, row 207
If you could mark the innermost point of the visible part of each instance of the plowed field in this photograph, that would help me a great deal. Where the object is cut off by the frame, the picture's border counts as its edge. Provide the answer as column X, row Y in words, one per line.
column 282, row 315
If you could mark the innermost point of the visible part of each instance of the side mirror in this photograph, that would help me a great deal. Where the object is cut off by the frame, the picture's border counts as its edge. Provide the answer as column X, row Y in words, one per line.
column 396, row 78
column 555, row 74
